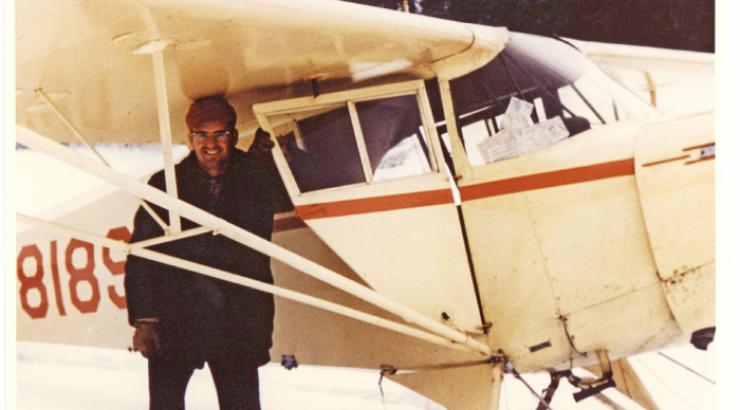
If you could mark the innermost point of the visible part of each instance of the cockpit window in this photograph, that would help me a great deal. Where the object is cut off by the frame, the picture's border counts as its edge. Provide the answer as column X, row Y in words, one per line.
column 535, row 93
column 352, row 138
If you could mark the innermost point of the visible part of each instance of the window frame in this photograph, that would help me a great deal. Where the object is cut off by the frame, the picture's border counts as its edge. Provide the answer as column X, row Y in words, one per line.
column 349, row 99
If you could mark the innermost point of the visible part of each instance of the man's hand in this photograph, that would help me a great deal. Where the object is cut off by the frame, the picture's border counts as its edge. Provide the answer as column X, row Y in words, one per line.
column 262, row 142
column 146, row 339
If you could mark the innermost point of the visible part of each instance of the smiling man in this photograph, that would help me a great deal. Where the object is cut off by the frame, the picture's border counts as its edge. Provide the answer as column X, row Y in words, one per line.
column 183, row 320
column 212, row 135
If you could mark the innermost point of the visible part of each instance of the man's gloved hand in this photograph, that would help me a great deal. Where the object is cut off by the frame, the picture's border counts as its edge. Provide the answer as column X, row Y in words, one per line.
column 262, row 142
column 146, row 339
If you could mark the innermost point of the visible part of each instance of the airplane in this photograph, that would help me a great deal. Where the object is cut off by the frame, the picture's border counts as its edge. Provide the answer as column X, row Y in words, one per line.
column 469, row 202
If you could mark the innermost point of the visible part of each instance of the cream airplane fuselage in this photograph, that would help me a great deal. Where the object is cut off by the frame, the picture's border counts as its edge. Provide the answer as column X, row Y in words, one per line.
column 603, row 244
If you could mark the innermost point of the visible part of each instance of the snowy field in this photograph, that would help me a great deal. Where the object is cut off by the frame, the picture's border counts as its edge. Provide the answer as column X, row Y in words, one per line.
column 71, row 377
column 80, row 378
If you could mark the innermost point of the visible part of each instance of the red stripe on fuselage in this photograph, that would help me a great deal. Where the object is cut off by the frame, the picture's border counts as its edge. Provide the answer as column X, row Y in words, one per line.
column 532, row 182
column 549, row 179
column 374, row 204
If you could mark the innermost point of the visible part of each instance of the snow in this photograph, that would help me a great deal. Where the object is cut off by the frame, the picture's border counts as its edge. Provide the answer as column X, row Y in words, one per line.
column 48, row 187
column 74, row 377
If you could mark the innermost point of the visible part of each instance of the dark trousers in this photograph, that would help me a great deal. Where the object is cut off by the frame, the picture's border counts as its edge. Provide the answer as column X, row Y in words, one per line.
column 237, row 382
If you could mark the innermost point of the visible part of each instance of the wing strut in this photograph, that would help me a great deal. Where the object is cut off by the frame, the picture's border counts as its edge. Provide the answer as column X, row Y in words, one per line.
column 45, row 98
column 156, row 49
column 169, row 238
column 463, row 386
column 138, row 250
column 231, row 231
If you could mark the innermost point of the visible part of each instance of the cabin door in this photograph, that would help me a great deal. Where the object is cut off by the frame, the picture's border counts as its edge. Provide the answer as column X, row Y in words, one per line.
column 364, row 171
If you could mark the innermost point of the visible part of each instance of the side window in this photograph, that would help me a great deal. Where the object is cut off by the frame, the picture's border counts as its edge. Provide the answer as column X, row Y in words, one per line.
column 394, row 137
column 321, row 151
column 352, row 138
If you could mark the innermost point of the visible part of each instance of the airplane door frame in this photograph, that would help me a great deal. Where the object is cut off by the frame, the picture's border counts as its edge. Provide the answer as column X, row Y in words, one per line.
column 296, row 105
column 437, row 263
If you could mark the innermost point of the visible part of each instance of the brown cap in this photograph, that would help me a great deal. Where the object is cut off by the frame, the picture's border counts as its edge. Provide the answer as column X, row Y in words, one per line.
column 211, row 108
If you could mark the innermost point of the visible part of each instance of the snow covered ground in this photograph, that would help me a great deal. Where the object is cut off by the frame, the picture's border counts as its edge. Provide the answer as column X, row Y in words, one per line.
column 82, row 378
column 72, row 377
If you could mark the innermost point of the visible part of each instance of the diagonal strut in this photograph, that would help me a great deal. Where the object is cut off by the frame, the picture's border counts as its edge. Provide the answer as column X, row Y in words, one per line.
column 246, row 238
column 141, row 251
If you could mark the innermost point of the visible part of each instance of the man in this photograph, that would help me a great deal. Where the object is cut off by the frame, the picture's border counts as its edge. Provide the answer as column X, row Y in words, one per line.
column 183, row 319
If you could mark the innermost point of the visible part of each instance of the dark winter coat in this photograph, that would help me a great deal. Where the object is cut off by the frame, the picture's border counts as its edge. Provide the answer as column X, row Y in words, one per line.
column 198, row 313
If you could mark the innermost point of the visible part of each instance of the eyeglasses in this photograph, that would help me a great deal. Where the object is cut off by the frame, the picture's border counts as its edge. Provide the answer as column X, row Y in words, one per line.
column 222, row 135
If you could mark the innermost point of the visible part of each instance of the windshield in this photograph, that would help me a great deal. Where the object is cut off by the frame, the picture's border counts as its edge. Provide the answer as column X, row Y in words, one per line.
column 536, row 92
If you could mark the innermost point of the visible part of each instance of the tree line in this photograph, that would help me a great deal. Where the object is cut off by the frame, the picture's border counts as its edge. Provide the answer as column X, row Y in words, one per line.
column 678, row 24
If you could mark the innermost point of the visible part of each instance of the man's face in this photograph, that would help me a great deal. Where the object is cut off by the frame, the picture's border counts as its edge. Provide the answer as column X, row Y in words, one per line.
column 213, row 143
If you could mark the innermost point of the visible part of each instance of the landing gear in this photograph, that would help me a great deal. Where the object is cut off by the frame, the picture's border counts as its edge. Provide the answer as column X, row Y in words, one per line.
column 549, row 392
column 591, row 388
column 588, row 387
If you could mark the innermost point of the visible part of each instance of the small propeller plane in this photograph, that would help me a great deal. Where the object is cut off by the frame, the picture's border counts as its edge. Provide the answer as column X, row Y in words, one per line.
column 469, row 202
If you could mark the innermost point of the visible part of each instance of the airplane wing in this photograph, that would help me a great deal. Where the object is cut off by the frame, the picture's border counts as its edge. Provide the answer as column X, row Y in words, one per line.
column 94, row 59
column 659, row 75
column 642, row 56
